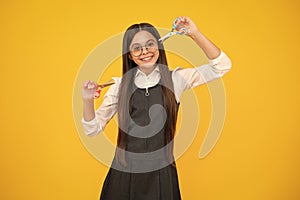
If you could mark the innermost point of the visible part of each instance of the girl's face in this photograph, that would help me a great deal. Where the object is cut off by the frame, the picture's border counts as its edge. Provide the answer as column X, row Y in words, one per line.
column 144, row 50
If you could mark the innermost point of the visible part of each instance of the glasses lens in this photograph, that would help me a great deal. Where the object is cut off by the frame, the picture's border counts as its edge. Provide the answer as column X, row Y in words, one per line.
column 137, row 50
column 151, row 46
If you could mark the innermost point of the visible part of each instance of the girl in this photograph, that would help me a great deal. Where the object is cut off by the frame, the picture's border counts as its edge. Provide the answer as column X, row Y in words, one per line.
column 147, row 98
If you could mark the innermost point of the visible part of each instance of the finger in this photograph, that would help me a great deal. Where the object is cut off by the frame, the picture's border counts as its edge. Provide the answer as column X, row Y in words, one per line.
column 88, row 84
column 180, row 18
column 177, row 22
column 185, row 19
column 85, row 83
column 184, row 22
column 182, row 31
column 92, row 85
column 97, row 94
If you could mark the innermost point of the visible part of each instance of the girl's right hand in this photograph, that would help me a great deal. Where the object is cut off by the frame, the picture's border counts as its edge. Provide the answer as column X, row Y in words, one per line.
column 89, row 90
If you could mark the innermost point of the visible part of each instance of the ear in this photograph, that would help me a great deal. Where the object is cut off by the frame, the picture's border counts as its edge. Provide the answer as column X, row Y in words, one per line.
column 129, row 56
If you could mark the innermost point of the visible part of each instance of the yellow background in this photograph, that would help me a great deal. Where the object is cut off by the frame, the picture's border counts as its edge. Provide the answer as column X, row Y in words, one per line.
column 43, row 44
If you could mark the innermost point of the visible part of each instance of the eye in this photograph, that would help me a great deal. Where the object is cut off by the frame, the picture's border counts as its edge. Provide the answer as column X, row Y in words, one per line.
column 136, row 48
column 150, row 44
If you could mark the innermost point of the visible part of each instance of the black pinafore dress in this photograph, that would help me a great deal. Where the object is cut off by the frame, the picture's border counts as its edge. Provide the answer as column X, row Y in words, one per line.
column 148, row 175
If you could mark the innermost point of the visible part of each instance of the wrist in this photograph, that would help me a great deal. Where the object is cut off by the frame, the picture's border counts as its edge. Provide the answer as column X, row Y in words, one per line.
column 196, row 35
column 88, row 101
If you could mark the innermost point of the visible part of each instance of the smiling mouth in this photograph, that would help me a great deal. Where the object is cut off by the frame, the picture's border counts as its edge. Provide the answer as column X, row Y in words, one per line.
column 147, row 59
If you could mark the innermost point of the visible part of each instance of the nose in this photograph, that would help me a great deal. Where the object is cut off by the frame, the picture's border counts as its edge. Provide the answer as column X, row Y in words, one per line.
column 144, row 50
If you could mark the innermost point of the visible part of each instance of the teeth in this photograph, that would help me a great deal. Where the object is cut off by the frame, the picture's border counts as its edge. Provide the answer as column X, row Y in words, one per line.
column 147, row 58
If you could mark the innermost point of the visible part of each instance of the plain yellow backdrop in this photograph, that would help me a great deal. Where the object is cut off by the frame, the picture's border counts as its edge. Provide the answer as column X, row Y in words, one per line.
column 44, row 43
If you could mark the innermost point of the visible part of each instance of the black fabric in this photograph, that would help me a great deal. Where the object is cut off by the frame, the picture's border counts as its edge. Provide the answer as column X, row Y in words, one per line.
column 160, row 184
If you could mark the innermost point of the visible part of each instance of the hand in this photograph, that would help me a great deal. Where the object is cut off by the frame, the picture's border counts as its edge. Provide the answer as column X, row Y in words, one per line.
column 186, row 22
column 89, row 90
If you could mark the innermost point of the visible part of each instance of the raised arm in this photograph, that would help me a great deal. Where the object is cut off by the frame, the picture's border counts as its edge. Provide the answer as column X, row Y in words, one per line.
column 211, row 50
column 219, row 63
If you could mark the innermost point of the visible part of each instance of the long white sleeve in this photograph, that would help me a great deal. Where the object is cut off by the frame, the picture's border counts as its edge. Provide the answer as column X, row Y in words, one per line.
column 105, row 112
column 186, row 78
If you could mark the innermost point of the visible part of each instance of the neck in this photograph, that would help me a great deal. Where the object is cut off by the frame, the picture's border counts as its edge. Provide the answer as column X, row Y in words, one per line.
column 147, row 69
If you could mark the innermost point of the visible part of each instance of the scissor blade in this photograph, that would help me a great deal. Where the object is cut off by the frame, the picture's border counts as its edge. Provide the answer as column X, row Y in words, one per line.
column 108, row 83
column 164, row 38
column 105, row 85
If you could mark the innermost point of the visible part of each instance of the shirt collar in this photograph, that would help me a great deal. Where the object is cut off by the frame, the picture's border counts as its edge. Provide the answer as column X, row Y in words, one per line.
column 139, row 72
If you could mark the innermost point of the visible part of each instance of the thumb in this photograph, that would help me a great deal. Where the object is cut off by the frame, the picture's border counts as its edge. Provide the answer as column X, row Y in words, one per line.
column 97, row 94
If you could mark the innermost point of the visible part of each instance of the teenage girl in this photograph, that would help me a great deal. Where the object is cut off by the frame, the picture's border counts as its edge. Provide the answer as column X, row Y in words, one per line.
column 146, row 99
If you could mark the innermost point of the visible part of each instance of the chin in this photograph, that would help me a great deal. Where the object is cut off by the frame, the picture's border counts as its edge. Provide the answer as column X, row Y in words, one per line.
column 147, row 65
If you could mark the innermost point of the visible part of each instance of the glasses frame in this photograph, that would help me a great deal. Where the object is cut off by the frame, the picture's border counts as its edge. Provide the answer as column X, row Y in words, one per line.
column 147, row 48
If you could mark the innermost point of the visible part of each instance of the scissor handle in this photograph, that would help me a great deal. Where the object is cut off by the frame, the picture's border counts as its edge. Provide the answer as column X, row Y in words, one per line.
column 101, row 86
column 182, row 31
column 174, row 22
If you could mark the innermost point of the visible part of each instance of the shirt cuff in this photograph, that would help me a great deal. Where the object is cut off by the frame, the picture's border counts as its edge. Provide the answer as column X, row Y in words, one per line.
column 217, row 60
column 91, row 122
column 221, row 63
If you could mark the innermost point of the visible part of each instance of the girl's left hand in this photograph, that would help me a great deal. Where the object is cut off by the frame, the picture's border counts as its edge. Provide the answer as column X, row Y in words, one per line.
column 186, row 22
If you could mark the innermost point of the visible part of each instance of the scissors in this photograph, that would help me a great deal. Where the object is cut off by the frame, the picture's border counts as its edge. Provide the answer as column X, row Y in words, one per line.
column 108, row 83
column 182, row 31
column 101, row 86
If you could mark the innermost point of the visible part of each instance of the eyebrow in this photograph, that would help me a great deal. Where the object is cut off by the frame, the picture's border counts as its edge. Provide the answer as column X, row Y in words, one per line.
column 140, row 44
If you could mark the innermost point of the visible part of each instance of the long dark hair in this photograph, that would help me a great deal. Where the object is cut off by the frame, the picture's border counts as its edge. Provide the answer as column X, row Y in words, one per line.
column 126, row 88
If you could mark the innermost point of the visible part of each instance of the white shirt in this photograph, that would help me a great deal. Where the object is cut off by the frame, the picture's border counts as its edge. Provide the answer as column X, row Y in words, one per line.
column 183, row 79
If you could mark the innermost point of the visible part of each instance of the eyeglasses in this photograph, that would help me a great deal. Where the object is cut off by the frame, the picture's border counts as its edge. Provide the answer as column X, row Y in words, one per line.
column 137, row 50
